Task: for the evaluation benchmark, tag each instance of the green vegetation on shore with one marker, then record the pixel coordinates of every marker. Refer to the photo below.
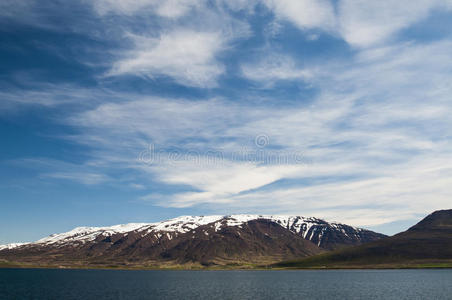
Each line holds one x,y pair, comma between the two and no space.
307,264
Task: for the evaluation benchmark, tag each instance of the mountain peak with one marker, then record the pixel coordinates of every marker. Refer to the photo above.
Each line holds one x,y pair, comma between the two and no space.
440,219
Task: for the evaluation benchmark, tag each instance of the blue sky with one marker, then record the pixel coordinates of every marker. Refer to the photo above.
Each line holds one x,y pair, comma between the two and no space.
115,111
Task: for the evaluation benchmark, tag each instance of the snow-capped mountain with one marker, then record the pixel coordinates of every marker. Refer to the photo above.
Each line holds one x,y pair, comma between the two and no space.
312,229
196,239
11,246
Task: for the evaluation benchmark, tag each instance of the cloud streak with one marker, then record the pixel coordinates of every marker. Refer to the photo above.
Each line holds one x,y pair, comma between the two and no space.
275,68
185,55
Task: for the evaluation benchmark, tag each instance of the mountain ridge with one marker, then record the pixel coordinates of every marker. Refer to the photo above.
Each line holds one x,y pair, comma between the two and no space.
207,240
183,224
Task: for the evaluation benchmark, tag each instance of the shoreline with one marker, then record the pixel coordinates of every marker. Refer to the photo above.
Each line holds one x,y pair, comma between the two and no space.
221,268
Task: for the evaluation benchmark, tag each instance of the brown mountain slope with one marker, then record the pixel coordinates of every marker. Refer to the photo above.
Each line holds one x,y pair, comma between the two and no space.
427,243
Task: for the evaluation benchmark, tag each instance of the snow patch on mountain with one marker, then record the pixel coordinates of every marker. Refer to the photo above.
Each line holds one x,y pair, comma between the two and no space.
296,224
84,234
11,246
185,223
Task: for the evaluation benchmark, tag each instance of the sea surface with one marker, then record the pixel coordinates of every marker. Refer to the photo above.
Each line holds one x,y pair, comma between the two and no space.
322,284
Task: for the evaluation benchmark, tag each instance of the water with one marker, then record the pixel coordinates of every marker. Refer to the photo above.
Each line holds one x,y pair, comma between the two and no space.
322,284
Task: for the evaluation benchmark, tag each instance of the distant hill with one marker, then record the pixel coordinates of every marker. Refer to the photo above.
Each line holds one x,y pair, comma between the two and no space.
428,243
202,241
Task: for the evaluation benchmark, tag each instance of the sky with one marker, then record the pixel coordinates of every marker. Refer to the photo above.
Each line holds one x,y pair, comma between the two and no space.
117,111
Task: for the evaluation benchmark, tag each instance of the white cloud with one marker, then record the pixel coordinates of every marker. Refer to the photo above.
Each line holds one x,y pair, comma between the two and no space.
50,95
187,56
305,14
166,8
216,180
15,8
164,122
367,23
360,23
273,68
57,169
84,178
240,5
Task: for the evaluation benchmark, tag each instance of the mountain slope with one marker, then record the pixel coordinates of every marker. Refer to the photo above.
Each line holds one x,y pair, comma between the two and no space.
428,242
203,240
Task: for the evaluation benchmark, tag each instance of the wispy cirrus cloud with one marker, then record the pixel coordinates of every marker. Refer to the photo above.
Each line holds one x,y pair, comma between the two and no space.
188,51
83,178
216,182
187,56
84,173
360,23
169,9
50,95
364,23
306,14
275,67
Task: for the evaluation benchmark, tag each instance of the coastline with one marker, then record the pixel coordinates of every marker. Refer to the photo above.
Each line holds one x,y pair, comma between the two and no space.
17,265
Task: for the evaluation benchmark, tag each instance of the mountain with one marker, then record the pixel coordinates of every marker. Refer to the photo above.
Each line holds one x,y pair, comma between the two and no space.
203,240
428,243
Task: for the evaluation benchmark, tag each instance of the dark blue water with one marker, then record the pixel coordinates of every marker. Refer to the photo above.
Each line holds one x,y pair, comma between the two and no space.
331,284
